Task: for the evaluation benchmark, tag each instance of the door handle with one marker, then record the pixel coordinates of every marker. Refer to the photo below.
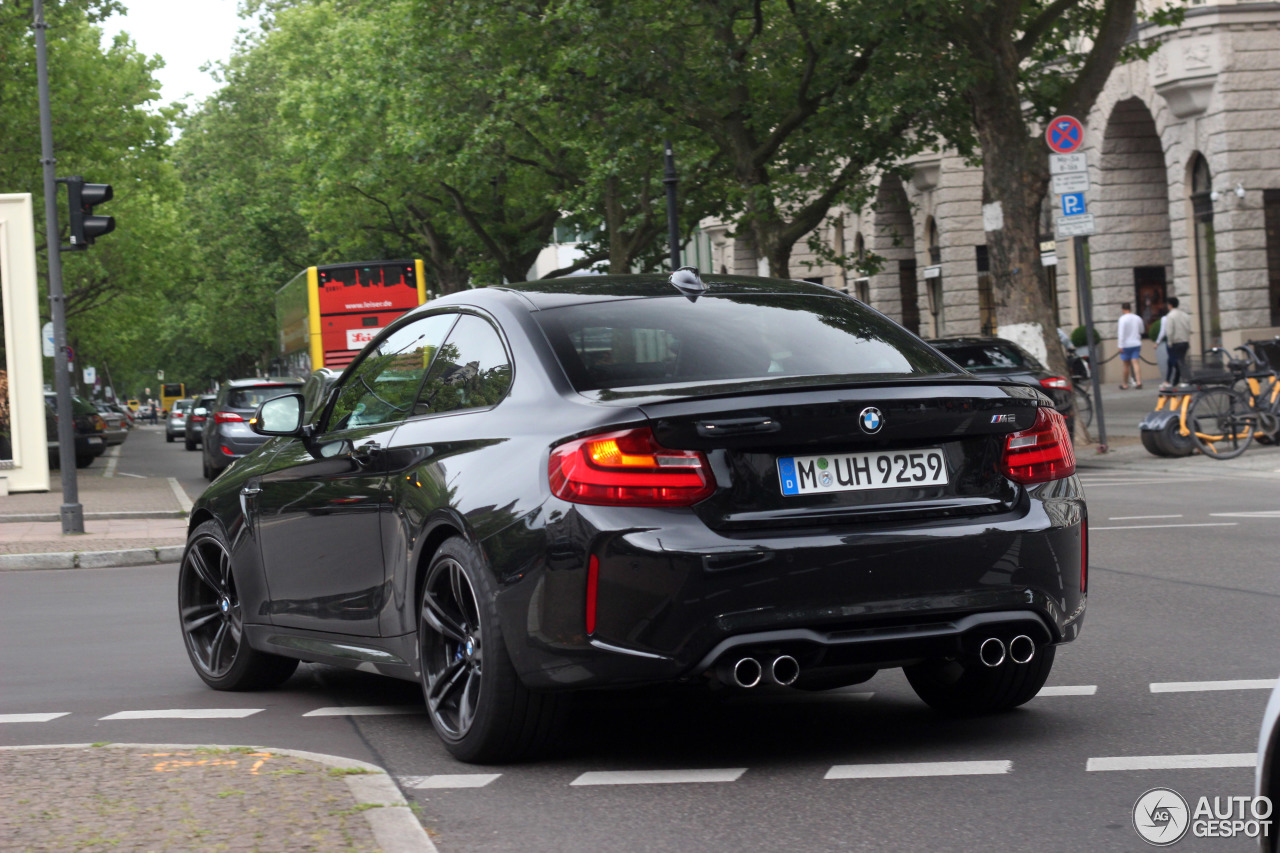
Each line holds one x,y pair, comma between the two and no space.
366,452
250,491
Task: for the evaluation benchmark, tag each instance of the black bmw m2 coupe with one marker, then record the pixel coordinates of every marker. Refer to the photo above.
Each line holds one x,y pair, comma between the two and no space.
517,492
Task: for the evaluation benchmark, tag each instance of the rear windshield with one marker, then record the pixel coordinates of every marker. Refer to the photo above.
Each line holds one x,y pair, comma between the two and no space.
254,396
661,341
989,357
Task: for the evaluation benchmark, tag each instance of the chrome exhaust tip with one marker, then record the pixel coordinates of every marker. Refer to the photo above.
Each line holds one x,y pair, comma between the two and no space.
747,672
1022,649
991,652
784,670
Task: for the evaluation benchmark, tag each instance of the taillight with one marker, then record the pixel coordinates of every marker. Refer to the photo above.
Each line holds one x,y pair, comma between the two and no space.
98,423
628,468
1056,382
1041,453
228,418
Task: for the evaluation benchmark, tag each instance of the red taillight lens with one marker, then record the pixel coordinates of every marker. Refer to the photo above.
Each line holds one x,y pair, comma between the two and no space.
1041,453
228,418
98,423
593,580
197,419
628,468
1056,382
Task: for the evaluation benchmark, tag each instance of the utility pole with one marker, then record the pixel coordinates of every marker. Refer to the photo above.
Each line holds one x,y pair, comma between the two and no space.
71,511
670,178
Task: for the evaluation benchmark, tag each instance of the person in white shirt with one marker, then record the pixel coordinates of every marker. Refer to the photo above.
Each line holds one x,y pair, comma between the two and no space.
1129,339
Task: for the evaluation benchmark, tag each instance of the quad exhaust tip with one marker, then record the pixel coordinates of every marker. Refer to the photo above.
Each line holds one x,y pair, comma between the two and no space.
747,672
784,670
1022,649
991,652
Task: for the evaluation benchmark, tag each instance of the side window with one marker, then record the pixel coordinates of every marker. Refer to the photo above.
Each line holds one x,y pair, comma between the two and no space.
385,383
472,370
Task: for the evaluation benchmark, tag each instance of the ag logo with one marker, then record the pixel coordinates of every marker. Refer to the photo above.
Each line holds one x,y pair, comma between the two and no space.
1161,816
870,420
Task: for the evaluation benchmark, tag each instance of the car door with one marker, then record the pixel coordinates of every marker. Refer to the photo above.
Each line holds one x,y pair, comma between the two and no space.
317,505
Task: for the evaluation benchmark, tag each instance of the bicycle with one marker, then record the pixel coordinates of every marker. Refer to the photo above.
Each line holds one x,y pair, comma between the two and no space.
1224,419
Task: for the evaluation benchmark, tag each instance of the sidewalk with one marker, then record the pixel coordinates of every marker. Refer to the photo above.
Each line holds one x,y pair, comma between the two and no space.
128,521
157,797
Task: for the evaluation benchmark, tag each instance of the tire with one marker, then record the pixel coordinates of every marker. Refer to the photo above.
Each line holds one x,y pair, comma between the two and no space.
1221,423
966,689
168,437
212,619
210,473
84,460
1150,440
1172,441
476,701
188,444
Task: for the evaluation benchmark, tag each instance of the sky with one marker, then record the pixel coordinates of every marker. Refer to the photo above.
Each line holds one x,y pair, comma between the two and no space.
186,34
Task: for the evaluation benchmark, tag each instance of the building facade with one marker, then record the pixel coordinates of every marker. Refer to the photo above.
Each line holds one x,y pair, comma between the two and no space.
1184,165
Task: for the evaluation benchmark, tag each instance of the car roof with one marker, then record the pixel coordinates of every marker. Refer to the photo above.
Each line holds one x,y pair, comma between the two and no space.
555,292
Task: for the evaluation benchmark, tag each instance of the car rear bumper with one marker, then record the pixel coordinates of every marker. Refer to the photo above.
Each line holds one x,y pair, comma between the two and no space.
674,599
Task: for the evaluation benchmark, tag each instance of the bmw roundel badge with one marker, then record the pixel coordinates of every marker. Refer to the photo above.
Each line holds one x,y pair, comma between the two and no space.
870,420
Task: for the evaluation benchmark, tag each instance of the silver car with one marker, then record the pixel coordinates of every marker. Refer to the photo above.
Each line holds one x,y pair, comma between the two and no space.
117,424
176,424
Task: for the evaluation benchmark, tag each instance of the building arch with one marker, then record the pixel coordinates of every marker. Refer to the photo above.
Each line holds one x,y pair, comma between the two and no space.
894,289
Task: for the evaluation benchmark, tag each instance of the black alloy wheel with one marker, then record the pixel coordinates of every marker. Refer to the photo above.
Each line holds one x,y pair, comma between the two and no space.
213,619
477,704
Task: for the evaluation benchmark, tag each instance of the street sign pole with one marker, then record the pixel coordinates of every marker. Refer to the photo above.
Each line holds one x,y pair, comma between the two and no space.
1095,365
72,512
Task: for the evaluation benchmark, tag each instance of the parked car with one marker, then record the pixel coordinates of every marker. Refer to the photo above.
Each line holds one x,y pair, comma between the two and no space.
989,356
117,424
1268,768
201,411
90,431
609,481
176,424
227,436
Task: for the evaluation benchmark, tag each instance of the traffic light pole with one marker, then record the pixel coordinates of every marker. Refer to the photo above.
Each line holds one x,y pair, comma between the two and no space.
72,512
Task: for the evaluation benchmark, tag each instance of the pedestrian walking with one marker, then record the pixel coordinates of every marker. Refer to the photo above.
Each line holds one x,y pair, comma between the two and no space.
1129,339
1175,331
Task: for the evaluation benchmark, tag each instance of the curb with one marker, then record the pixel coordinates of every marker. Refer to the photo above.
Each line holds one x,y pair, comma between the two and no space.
92,559
394,827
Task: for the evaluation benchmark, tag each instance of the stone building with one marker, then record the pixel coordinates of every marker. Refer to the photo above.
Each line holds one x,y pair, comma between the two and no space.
1184,166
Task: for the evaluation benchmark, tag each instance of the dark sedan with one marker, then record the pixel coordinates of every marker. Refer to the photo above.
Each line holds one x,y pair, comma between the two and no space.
594,482
89,426
987,356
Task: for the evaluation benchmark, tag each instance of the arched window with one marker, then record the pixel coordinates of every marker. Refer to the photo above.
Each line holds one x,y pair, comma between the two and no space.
1206,254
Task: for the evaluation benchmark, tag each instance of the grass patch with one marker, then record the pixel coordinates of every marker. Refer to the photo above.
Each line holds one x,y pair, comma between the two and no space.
349,771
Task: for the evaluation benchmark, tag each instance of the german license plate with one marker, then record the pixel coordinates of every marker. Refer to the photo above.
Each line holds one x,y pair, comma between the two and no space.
848,472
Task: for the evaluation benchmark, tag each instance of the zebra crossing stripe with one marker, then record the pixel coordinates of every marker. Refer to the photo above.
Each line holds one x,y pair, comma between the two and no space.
31,718
457,780
919,768
657,777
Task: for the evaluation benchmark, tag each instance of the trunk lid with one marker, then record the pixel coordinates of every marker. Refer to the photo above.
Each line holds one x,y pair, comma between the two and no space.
837,471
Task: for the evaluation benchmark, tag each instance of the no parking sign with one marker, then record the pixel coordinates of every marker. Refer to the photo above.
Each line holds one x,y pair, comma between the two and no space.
1065,135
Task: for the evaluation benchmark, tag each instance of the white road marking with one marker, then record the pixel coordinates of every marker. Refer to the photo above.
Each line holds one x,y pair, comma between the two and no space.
185,714
1069,690
1140,517
184,502
113,458
1097,484
1172,762
657,777
920,768
1202,686
1266,513
137,476
366,711
1162,526
461,780
31,718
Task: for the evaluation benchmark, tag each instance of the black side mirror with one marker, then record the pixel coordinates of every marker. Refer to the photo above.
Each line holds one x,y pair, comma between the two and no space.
279,416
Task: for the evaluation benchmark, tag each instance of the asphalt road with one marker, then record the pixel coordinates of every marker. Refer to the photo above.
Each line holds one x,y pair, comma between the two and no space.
1184,588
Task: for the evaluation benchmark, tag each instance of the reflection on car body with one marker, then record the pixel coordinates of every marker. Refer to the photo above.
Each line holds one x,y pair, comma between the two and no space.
523,490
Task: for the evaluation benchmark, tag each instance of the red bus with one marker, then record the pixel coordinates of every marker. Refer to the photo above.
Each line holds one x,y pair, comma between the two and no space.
327,313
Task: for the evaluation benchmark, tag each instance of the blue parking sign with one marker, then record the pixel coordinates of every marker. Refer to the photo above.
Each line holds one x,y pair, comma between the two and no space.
1073,204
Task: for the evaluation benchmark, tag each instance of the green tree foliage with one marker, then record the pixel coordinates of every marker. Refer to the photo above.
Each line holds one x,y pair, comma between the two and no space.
106,128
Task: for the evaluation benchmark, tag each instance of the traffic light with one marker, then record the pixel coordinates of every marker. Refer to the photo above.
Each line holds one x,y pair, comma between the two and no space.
81,199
